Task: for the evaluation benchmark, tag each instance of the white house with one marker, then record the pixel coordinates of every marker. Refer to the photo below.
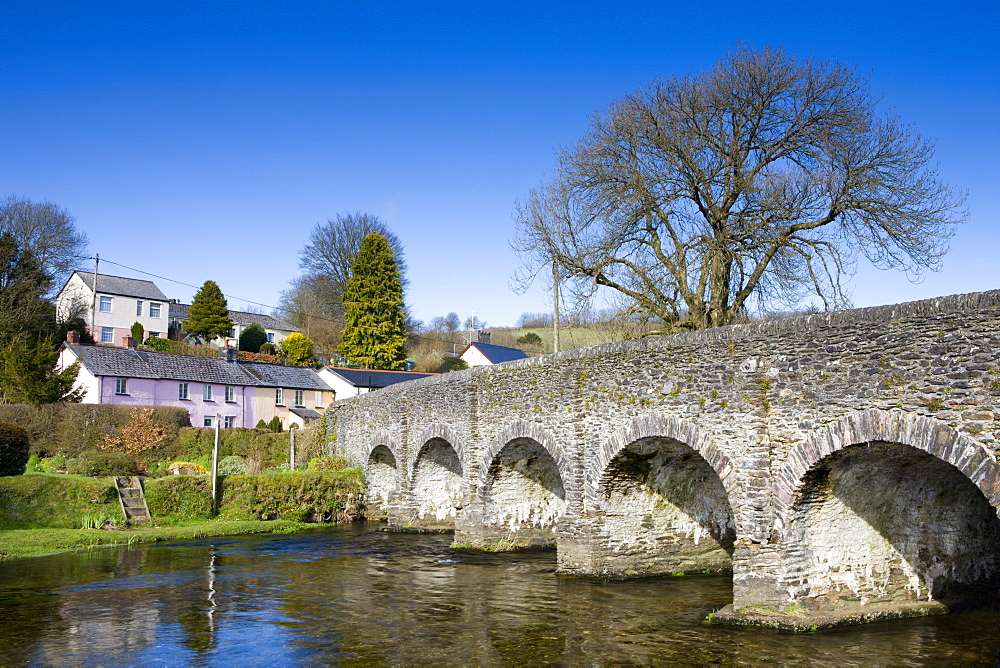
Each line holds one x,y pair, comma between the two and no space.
352,382
483,354
111,309
276,330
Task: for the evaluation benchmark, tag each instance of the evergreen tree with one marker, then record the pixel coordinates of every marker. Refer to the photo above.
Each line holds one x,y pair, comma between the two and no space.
27,375
252,337
375,318
208,316
23,285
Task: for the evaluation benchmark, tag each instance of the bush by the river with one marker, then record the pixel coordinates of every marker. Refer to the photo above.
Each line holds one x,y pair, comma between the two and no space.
103,463
50,501
14,450
69,430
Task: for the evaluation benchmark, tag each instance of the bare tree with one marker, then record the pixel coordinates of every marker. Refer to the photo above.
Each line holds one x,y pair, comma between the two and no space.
759,180
48,231
313,300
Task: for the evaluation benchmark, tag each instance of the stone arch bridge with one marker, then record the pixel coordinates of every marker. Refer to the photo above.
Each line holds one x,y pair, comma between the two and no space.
842,466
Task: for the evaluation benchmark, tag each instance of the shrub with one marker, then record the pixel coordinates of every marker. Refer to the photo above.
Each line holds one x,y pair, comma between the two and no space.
34,464
193,467
452,364
161,345
275,424
57,463
530,339
301,497
96,463
137,331
268,349
252,337
14,449
332,463
232,465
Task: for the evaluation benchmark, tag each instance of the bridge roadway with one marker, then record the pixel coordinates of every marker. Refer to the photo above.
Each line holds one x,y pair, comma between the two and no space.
842,466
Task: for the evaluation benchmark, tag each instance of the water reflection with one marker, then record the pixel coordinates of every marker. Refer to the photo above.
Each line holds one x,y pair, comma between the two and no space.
355,596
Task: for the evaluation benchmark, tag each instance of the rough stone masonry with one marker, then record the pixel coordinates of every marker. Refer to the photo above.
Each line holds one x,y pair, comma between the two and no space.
842,465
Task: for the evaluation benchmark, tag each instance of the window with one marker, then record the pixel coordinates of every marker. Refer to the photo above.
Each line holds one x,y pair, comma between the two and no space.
208,421
120,386
270,337
229,393
206,392
154,333
319,398
105,304
230,422
279,399
182,390
298,398
107,334
138,307
231,333
154,310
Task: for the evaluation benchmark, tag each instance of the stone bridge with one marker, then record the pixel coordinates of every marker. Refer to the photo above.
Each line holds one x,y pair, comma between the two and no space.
842,466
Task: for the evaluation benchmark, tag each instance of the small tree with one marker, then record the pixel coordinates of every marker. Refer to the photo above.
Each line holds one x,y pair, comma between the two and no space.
452,364
141,434
298,349
252,337
14,448
275,424
27,375
375,316
208,316
530,339
138,331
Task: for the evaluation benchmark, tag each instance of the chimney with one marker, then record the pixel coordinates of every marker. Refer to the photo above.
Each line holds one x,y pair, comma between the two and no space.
228,354
128,342
73,336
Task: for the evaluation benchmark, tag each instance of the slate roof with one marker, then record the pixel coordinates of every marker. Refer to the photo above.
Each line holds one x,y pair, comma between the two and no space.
306,413
375,379
239,318
126,287
131,363
497,354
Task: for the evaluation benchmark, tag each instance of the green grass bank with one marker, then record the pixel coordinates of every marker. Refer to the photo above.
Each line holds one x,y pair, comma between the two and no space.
44,513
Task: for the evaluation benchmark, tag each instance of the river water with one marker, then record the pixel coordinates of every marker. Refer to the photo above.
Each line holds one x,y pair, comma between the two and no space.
358,596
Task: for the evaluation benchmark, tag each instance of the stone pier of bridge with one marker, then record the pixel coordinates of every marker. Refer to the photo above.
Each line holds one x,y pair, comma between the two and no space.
841,466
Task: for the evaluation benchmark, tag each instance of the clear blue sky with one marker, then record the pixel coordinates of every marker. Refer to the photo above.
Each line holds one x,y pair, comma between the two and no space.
204,140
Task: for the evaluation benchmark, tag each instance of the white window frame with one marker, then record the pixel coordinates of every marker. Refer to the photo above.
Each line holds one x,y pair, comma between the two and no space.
230,394
138,307
206,392
104,301
279,397
319,398
230,422
270,337
182,391
299,398
107,334
207,422
154,309
121,386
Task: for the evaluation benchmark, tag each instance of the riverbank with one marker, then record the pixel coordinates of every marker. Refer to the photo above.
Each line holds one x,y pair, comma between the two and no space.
37,542
45,513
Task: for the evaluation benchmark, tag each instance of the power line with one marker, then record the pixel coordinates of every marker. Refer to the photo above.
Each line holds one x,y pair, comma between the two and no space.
248,301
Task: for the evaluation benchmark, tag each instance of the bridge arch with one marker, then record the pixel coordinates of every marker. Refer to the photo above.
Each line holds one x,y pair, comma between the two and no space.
382,467
664,494
889,507
652,425
526,484
436,481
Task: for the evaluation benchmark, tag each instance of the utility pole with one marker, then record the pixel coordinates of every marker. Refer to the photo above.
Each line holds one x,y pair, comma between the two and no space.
93,302
215,467
555,307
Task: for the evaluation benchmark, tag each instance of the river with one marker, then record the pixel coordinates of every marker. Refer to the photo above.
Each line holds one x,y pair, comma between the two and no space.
358,596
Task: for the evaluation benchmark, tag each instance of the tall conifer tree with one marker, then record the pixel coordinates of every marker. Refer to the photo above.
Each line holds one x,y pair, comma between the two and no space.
208,316
375,315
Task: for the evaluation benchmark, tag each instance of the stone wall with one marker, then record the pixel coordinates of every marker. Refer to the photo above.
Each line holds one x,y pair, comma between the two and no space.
713,449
